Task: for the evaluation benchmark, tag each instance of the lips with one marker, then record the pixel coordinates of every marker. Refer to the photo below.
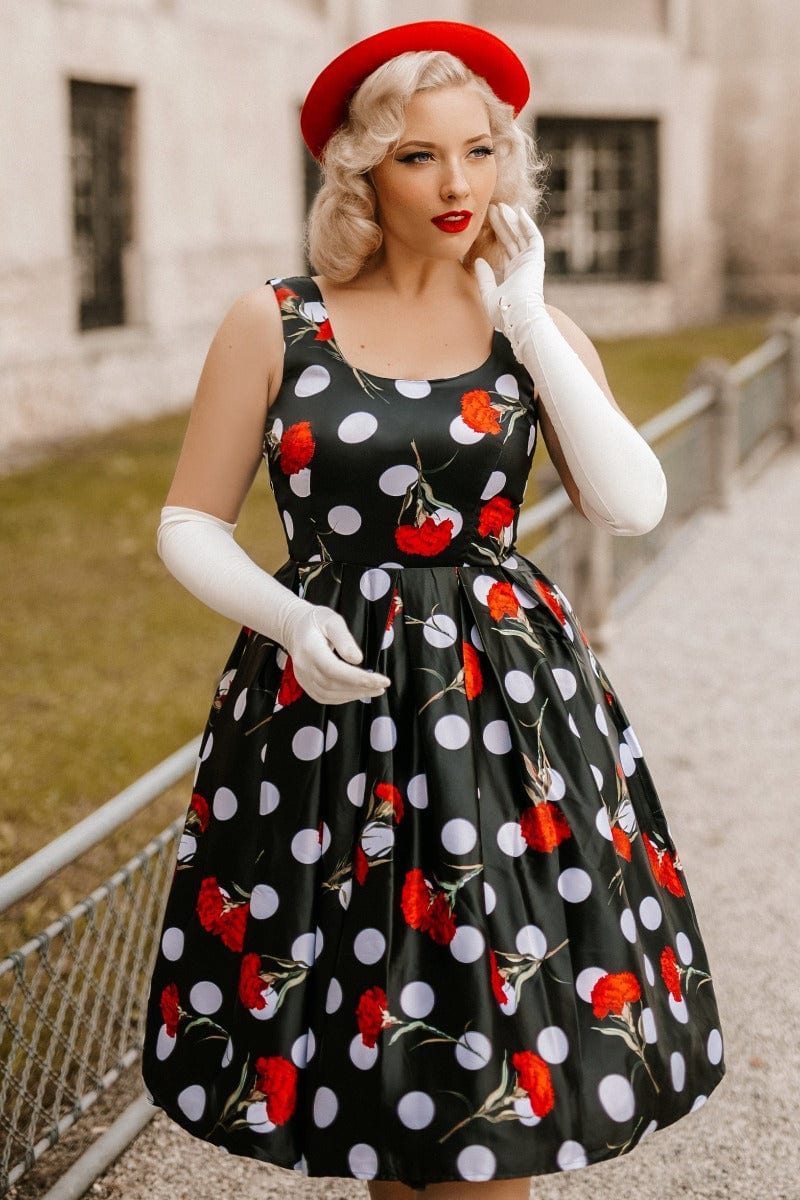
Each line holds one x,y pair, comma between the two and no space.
453,222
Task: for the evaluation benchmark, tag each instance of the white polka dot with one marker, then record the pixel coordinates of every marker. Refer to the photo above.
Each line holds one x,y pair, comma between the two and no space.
240,705
227,1057
326,1106
314,310
531,439
415,1110
494,484
377,839
603,824
269,798
633,742
698,1102
208,746
257,1118
270,997
452,732
414,389
572,725
288,523
363,1161
417,999
357,427
172,943
648,970
313,380
648,1024
369,945
553,1044
303,1049
205,997
598,776
440,631
333,998
165,1043
600,719
567,683
344,519
571,1155
558,788
374,583
524,1110
531,940
519,685
507,386
192,1101
459,835
356,787
650,912
627,924
362,1056
476,1163
462,433
626,759
585,981
468,944
306,847
714,1047
649,1128
490,895
418,791
224,804
684,948
304,948
616,1096
525,600
263,901
473,1050
382,733
626,817
345,892
396,480
679,1009
677,1070
497,737
300,482
574,884
308,743
443,513
510,839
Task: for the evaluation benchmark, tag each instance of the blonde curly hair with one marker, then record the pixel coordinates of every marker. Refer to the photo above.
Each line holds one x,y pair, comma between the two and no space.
342,233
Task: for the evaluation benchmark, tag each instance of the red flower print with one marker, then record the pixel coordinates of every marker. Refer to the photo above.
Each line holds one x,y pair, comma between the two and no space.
289,689
284,295
361,865
229,925
613,991
609,698
210,903
478,414
232,926
473,676
325,333
199,805
388,792
415,898
551,600
533,1074
429,538
498,982
544,826
297,447
439,922
170,1008
495,514
251,985
670,973
277,1082
622,843
663,867
370,1013
502,600
394,608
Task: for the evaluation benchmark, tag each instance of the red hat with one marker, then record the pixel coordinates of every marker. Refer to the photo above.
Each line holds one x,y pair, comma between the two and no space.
325,107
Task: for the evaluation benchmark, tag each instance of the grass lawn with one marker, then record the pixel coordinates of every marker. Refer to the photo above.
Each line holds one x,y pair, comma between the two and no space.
108,664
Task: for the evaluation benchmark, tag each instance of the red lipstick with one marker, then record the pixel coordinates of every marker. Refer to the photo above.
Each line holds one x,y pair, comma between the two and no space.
453,222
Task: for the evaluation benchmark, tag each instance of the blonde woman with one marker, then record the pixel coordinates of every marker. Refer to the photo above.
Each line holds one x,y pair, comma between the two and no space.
428,927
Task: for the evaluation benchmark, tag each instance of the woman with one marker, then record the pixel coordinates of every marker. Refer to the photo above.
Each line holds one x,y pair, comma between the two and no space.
428,927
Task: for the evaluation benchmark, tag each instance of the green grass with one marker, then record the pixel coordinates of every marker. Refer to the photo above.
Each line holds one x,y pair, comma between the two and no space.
108,664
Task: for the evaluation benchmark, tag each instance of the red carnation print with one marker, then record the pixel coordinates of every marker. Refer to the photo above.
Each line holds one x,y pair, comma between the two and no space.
251,985
670,973
533,1074
498,981
473,676
663,867
495,514
477,412
544,826
232,926
502,600
171,1008
218,916
622,843
551,600
370,1014
285,295
440,924
390,795
276,1079
395,607
609,698
613,991
289,689
325,333
415,898
297,447
210,903
429,538
199,806
361,865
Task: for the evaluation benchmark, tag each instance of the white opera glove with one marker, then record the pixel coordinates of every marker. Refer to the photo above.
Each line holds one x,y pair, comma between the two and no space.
200,551
620,480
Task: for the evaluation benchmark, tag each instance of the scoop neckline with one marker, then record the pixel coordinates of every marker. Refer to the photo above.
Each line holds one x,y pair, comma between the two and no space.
403,378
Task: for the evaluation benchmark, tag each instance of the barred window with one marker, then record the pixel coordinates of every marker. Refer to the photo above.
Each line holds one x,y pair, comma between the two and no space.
602,197
101,129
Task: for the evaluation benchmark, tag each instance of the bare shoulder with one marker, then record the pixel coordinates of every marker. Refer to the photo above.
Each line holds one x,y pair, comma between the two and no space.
254,313
249,340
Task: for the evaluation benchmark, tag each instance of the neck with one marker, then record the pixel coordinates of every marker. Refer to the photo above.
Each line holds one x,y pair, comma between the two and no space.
414,276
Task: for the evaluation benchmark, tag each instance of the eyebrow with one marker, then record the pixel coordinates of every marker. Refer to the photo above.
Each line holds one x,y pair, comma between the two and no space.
481,137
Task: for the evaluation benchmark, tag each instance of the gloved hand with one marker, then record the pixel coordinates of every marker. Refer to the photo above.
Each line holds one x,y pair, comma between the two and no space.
621,484
200,551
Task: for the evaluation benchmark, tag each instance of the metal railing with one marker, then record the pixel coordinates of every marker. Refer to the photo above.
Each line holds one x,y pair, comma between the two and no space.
72,999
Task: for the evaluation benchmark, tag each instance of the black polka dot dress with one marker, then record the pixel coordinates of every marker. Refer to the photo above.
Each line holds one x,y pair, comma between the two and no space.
442,934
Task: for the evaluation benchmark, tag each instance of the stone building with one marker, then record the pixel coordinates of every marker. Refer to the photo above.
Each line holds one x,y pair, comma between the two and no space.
153,170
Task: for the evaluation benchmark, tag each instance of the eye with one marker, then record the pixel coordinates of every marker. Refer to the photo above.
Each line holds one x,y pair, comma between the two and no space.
416,156
482,151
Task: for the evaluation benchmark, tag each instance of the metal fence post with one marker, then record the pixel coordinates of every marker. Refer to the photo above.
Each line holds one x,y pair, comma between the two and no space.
724,416
789,327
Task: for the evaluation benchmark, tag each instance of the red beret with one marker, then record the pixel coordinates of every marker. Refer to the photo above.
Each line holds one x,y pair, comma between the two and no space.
325,107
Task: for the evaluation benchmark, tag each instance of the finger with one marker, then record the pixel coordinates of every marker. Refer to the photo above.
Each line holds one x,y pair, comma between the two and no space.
486,279
513,220
502,232
530,228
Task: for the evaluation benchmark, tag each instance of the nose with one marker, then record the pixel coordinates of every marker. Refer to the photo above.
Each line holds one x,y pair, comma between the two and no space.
454,183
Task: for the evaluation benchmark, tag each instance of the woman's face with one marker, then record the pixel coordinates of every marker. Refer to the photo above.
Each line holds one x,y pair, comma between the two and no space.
443,164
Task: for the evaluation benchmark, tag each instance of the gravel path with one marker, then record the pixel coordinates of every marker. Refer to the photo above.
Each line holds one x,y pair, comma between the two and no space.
708,668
